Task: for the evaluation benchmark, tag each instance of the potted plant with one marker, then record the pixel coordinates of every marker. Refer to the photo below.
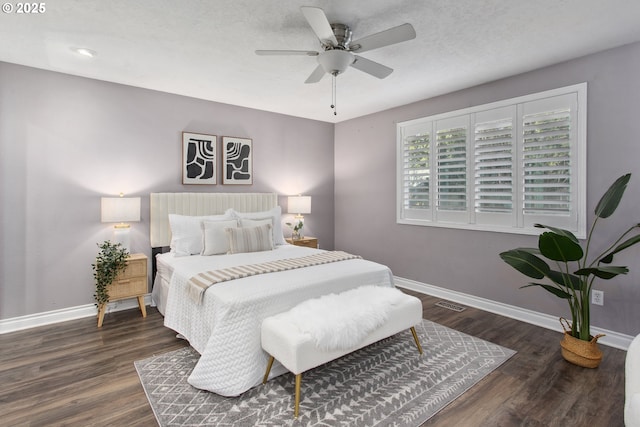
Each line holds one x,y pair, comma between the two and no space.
111,260
574,272
297,228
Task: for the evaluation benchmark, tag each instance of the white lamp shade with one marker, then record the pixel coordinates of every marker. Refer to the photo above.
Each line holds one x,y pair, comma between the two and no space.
120,209
299,204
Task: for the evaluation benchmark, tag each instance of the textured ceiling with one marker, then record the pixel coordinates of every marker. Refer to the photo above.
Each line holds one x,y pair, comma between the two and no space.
205,49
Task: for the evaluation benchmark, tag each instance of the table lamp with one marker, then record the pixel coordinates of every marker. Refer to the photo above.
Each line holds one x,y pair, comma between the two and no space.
299,205
121,210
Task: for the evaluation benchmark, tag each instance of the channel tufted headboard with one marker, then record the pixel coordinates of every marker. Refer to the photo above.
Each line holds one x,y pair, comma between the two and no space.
163,204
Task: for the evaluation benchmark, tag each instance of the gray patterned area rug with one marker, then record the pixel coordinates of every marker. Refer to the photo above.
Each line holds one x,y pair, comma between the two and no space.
385,384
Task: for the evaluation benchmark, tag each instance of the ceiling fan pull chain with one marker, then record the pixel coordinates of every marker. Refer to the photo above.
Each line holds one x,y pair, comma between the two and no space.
333,94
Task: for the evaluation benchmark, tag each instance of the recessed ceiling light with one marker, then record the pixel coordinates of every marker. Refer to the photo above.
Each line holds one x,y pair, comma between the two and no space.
84,51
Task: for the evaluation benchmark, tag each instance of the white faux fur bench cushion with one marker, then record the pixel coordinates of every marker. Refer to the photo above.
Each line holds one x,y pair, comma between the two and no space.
342,321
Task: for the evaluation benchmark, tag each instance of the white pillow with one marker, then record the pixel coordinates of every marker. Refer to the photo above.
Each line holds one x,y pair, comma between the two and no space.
250,239
244,222
186,232
214,239
275,213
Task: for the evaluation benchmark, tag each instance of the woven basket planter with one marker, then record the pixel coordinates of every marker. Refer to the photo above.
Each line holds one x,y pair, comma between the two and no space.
579,352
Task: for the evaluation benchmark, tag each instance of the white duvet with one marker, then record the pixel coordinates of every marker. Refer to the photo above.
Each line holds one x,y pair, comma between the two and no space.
225,328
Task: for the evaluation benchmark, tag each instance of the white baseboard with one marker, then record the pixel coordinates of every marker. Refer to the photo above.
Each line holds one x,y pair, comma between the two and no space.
612,338
65,314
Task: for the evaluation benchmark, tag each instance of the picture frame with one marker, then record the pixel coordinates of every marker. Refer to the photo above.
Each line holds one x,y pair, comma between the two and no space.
237,160
199,158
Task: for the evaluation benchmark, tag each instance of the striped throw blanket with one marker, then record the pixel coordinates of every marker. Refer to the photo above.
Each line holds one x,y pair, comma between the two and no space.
199,283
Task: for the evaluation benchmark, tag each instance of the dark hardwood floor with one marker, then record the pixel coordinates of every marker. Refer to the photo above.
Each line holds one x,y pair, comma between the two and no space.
75,374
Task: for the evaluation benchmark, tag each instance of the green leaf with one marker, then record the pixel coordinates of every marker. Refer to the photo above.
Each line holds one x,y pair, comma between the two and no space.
558,247
526,263
557,292
610,200
559,231
605,273
622,246
530,250
111,260
566,280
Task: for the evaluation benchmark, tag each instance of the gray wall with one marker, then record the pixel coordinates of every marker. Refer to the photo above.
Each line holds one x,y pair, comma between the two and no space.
66,141
467,261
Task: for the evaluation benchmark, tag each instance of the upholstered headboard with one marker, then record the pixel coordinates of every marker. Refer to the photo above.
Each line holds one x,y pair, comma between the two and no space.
163,204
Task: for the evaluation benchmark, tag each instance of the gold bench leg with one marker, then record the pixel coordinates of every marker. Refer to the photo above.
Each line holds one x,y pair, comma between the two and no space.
266,374
415,338
296,408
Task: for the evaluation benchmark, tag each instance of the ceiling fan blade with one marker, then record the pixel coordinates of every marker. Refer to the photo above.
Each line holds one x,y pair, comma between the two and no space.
316,76
319,24
394,35
371,67
286,52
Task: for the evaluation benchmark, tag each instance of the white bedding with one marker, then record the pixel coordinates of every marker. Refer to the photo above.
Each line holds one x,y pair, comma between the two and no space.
225,328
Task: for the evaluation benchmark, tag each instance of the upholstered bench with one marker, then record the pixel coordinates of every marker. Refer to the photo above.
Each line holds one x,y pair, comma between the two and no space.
320,330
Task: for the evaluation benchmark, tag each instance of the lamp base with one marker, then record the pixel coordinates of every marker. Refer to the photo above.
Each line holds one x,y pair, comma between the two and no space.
122,236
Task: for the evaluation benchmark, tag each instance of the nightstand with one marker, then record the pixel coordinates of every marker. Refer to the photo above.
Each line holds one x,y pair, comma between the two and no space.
130,283
308,242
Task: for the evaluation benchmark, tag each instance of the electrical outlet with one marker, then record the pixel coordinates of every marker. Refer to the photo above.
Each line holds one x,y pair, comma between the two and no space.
597,297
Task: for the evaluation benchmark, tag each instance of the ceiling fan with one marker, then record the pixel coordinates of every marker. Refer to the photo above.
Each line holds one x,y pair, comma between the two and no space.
338,50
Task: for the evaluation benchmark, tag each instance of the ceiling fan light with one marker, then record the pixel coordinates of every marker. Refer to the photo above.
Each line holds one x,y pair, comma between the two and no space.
335,61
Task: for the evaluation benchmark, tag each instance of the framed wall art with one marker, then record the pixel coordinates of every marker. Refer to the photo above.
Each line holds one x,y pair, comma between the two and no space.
237,164
199,158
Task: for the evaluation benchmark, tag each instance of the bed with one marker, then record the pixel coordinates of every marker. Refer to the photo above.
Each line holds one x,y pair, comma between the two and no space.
224,327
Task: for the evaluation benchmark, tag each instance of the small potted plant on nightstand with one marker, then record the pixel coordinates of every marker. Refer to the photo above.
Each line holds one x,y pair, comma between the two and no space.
297,228
111,260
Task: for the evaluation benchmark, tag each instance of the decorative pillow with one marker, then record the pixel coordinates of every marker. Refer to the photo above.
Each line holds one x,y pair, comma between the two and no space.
275,213
250,239
214,238
186,232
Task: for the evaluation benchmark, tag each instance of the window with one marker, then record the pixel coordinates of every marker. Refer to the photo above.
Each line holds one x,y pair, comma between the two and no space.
503,166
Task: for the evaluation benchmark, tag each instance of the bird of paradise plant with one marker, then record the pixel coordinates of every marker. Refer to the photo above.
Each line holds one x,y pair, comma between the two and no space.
574,274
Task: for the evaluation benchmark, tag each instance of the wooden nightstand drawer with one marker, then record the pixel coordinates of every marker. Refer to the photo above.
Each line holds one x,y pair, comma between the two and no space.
136,267
127,288
309,242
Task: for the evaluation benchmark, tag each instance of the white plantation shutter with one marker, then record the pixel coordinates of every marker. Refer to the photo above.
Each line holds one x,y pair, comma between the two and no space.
547,162
415,168
494,149
504,166
416,172
451,162
550,161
